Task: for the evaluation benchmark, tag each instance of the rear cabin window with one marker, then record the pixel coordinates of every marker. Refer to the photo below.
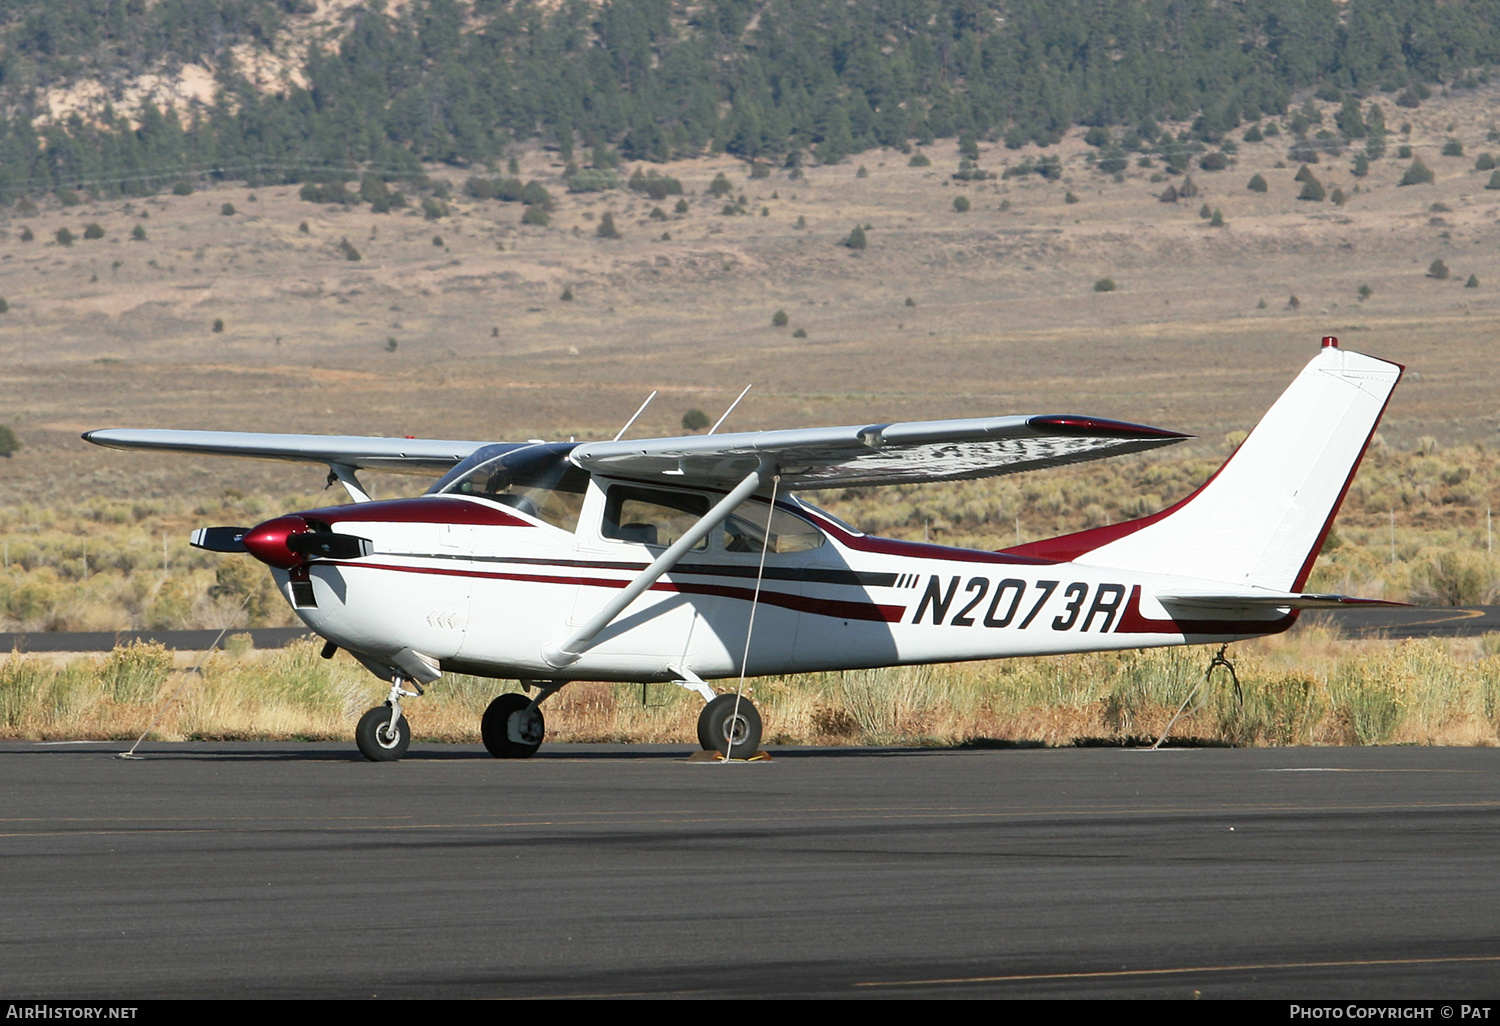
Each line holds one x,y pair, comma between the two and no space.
651,517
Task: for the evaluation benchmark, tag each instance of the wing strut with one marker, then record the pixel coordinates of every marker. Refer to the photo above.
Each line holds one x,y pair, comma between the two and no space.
568,652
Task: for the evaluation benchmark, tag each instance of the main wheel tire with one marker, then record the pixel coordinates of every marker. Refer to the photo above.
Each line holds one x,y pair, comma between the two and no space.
511,728
733,734
375,739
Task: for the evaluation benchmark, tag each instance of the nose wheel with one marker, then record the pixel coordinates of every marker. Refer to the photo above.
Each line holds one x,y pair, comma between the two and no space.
730,725
383,734
379,739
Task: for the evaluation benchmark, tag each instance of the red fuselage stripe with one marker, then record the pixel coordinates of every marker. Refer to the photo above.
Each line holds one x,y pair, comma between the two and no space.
823,607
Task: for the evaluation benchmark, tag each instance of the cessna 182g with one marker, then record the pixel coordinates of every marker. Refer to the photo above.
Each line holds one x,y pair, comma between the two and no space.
690,559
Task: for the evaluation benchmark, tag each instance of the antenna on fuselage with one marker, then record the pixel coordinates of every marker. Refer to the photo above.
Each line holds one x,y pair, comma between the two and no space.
731,408
633,419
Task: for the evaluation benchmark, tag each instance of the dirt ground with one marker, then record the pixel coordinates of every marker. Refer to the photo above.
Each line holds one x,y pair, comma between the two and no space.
455,328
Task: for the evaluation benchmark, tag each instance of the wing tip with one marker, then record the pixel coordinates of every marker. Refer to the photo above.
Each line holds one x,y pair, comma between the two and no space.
1074,424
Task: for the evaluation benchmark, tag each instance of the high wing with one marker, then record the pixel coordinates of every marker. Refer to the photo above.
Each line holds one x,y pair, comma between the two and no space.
875,454
402,455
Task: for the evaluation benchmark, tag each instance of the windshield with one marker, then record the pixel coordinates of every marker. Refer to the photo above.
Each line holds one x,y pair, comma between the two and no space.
535,479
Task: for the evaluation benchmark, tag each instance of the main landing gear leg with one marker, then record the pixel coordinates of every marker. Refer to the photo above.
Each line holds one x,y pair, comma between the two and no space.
383,733
513,726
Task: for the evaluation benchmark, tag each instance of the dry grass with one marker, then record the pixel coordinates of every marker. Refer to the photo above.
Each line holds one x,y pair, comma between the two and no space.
1307,687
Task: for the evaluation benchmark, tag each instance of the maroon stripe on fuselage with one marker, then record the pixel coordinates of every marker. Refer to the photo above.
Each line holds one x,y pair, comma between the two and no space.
426,510
823,607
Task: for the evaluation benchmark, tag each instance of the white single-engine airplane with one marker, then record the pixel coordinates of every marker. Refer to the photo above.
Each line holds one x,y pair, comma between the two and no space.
689,559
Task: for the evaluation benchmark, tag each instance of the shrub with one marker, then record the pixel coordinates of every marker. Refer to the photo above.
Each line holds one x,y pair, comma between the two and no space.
1187,190
1292,302
68,198
607,229
1215,161
1312,190
567,294
325,192
658,214
961,204
779,319
1204,212
681,207
534,194
1337,197
4,306
862,173
437,240
855,239
9,443
1169,194
433,208
227,210
1253,134
1303,174
304,229
185,189
1437,269
93,230
347,248
26,235
1472,283
1484,162
1256,184
592,179
759,170
1361,166
1105,285
800,333
695,420
1365,292
536,215
1453,148
720,186
138,233
218,325
1069,198
919,160
1217,220
1494,182
391,345
910,301
64,237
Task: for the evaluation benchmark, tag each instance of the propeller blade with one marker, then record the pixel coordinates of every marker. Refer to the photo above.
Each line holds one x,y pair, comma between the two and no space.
220,539
328,545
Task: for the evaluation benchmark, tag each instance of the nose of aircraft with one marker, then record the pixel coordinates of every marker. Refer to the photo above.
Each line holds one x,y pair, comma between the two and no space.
267,542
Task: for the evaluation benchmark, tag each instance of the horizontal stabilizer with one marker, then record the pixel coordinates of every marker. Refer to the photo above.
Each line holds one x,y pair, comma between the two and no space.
1257,600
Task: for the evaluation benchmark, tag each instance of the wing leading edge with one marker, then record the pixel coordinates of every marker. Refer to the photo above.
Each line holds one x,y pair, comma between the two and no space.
875,454
414,455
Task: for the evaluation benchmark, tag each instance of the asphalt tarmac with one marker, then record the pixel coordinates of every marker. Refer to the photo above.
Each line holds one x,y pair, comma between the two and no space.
300,870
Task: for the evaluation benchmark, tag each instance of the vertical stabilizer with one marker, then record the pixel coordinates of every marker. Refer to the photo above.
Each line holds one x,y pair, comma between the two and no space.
1260,520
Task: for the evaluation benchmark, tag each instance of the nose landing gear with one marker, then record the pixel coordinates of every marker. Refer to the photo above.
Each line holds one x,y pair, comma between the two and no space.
383,734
